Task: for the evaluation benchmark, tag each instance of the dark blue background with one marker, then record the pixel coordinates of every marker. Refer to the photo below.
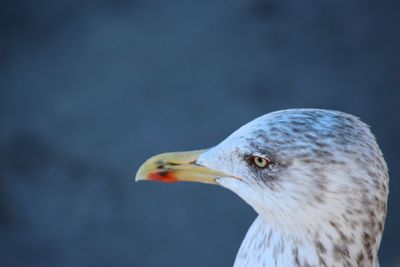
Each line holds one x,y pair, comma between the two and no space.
90,89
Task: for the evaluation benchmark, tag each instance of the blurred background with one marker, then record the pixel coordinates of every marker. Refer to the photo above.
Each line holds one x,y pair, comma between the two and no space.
90,89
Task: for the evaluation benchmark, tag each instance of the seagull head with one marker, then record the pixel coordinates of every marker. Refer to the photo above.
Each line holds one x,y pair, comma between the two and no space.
302,170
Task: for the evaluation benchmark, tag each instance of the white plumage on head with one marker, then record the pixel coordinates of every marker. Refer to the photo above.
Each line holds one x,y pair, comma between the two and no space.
320,187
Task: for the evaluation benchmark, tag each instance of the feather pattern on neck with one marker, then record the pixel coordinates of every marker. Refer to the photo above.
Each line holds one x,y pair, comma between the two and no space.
266,246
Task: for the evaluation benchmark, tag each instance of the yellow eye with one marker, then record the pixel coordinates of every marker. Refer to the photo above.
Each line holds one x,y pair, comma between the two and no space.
260,162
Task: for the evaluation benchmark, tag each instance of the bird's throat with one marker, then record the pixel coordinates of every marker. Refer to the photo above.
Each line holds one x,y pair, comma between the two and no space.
266,246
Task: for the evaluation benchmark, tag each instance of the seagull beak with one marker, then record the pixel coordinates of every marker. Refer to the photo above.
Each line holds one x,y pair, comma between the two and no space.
176,167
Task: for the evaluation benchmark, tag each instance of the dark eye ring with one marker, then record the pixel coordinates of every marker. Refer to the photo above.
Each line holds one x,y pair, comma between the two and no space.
260,162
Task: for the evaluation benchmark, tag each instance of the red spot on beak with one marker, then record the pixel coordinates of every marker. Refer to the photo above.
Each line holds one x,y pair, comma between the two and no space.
163,176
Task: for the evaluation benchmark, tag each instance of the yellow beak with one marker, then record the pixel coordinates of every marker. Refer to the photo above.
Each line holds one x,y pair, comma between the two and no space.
176,167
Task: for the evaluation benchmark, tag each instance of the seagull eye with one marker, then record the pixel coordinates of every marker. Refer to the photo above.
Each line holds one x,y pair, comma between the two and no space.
260,162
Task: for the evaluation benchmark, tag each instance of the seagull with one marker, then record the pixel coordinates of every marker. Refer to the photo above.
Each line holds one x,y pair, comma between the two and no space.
316,178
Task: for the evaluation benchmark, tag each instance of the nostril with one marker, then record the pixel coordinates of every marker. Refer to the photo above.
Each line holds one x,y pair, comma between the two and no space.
161,166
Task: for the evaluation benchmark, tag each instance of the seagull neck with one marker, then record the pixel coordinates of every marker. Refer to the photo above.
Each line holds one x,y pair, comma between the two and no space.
265,245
